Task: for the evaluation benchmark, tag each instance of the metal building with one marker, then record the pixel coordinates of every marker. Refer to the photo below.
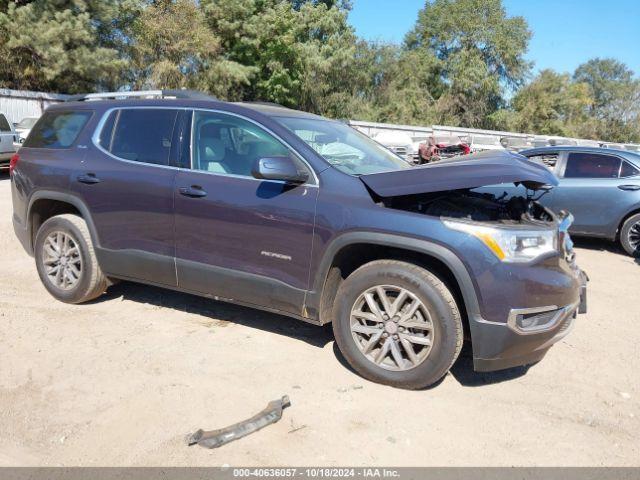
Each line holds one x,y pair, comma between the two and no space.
18,104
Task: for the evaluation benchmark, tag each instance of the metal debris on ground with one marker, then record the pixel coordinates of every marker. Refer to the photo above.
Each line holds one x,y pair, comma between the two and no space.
216,438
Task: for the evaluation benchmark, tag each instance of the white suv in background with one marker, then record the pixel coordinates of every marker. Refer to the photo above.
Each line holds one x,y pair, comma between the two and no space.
7,137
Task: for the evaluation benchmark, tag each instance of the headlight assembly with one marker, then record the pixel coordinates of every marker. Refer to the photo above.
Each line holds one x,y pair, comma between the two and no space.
510,244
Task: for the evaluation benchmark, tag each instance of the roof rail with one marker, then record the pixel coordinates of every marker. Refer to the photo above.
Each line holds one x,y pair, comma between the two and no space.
191,94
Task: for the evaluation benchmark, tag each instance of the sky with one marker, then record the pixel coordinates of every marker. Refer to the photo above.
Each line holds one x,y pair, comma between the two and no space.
566,33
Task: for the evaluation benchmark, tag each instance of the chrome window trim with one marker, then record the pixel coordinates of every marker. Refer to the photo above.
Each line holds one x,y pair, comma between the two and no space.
316,183
95,138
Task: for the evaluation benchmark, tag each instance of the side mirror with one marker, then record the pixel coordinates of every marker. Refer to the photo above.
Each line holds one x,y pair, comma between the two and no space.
279,168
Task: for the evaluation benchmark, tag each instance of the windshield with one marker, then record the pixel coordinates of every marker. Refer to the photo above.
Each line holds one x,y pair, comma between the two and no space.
344,147
27,122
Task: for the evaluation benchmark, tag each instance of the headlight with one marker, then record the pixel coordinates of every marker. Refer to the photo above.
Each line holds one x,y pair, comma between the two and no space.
510,244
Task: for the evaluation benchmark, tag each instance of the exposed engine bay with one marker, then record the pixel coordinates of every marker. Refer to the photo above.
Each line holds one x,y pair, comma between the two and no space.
480,207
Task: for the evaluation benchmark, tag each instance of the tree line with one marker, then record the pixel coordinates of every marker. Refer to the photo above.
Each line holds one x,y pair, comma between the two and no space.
463,63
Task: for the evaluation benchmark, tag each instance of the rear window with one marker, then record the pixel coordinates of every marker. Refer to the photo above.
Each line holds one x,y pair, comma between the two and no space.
140,135
57,129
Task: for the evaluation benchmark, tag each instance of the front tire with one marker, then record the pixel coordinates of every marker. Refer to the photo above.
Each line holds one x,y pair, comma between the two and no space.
397,324
630,235
66,261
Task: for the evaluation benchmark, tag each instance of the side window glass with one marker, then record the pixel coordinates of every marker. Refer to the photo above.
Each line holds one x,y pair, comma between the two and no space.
628,170
592,165
549,160
57,129
4,124
227,144
140,134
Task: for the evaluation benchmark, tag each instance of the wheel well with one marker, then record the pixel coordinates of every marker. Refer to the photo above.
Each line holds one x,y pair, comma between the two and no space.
629,215
351,257
43,209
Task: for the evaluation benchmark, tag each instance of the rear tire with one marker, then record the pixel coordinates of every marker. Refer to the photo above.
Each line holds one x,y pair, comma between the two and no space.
66,260
410,350
630,235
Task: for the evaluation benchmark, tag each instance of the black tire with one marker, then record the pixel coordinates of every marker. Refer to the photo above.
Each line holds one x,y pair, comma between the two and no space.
630,228
436,298
91,281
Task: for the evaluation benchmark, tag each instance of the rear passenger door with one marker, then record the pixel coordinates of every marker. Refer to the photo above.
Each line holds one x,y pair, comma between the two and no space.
238,237
590,189
127,183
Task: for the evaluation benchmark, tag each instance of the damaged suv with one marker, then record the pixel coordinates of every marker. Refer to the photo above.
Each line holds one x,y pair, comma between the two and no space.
289,212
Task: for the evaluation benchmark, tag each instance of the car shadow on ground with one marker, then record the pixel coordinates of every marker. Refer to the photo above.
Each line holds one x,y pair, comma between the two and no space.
219,313
601,245
598,244
462,370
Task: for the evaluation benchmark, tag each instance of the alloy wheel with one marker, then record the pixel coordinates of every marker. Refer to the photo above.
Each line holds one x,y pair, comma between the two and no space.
634,236
62,260
392,327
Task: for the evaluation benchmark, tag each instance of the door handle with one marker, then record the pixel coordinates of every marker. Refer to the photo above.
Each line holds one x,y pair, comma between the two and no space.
194,191
89,178
631,188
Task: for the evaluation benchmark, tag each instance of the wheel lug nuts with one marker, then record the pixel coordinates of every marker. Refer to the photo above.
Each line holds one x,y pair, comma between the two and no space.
385,335
395,336
380,325
401,329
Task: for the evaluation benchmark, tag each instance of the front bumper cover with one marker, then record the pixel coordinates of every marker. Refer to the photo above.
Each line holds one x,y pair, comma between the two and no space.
504,345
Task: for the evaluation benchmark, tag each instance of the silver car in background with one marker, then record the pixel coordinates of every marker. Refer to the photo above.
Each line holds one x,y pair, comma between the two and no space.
600,187
7,138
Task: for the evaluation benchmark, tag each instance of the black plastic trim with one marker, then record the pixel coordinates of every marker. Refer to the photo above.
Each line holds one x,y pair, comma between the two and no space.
446,256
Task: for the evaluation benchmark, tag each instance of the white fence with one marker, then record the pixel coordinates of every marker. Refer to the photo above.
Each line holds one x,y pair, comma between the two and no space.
18,104
466,134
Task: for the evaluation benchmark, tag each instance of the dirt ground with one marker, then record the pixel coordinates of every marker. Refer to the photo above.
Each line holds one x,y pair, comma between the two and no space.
121,381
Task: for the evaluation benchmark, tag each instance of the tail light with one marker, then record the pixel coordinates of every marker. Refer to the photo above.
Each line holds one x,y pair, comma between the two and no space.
13,162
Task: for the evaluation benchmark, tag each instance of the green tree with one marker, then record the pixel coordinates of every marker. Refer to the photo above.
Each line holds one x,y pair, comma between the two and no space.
300,57
163,56
553,104
61,45
616,94
482,54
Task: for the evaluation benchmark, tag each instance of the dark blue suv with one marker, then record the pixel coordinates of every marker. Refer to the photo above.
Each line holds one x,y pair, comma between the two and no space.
293,213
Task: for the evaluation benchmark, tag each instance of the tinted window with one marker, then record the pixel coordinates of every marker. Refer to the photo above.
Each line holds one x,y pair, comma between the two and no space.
592,165
228,144
57,129
628,170
141,135
4,124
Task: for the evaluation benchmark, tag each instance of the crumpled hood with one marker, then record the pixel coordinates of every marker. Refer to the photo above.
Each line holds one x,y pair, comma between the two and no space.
469,171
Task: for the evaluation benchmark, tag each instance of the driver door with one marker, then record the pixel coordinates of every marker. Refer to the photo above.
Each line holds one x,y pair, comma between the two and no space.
238,237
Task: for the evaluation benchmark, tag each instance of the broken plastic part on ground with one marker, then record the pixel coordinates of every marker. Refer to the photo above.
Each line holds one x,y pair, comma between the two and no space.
216,438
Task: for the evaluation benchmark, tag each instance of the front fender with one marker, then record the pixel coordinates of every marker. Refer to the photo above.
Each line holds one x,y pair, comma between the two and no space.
437,251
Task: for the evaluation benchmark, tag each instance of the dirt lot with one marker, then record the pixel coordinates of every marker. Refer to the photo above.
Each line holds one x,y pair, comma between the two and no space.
120,381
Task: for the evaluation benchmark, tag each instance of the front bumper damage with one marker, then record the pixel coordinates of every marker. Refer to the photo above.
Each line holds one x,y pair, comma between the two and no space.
501,345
